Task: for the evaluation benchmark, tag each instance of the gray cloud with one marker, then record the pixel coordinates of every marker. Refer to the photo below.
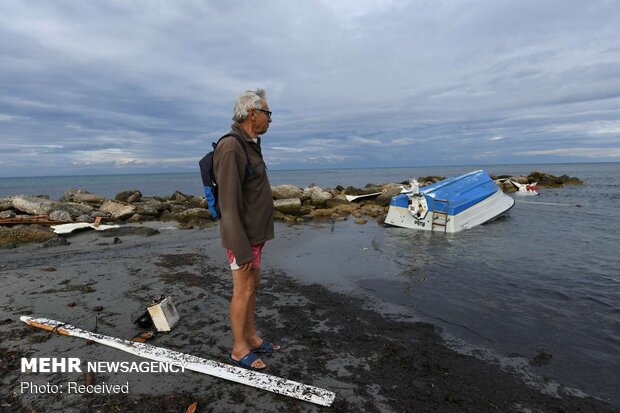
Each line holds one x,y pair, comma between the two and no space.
138,86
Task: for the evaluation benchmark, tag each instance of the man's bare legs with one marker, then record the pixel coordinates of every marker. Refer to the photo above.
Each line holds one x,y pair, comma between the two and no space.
250,327
250,331
242,312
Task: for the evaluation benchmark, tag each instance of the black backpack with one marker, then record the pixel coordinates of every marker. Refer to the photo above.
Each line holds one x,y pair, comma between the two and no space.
208,176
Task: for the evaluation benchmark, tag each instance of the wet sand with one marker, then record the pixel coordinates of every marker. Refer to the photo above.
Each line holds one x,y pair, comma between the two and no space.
373,361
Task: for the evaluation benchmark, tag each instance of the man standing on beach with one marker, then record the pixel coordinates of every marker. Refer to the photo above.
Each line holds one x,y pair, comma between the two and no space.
246,206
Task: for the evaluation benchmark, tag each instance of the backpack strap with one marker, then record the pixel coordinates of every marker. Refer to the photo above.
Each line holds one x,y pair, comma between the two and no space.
250,168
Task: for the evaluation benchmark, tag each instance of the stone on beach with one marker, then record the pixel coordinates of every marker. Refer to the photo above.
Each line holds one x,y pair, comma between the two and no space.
97,214
193,215
139,218
387,192
290,206
21,234
34,205
179,197
60,216
84,208
118,210
336,200
317,196
150,207
541,179
6,204
351,190
429,180
286,191
82,196
373,210
545,179
7,214
54,242
129,196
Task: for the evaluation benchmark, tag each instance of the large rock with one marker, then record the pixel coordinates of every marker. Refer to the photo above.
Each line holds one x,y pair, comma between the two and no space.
520,179
388,191
179,197
82,196
140,218
6,204
323,213
151,207
289,206
118,210
54,242
83,208
368,189
60,216
346,209
335,201
7,214
71,192
176,208
34,205
21,234
545,179
192,215
317,196
129,196
91,199
429,180
196,201
373,210
286,192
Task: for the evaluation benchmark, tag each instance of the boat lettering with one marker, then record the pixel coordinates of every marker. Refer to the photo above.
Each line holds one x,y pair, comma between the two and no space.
419,223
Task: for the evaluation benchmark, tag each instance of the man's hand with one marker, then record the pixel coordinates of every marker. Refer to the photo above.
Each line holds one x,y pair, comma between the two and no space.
245,267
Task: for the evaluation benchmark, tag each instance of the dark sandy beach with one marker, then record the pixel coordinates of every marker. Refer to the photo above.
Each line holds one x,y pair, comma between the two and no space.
373,361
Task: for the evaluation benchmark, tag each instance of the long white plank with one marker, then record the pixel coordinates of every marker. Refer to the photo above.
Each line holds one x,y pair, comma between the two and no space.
213,368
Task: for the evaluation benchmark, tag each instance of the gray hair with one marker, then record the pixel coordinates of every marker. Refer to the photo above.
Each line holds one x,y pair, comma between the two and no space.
250,99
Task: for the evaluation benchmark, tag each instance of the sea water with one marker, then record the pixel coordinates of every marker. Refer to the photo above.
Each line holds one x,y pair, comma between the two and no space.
544,279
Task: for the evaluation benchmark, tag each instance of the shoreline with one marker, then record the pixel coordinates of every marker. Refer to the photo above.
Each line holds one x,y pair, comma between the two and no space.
333,339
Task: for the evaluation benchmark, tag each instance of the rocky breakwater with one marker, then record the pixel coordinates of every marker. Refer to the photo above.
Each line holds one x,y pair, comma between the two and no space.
541,179
293,204
26,218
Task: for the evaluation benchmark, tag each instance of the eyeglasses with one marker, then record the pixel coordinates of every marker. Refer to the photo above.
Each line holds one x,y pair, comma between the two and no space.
267,112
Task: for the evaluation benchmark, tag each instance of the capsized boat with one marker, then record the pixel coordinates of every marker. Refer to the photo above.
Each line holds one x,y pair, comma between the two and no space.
451,205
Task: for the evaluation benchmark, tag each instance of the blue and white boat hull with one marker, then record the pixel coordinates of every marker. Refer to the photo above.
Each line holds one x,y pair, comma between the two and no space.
451,205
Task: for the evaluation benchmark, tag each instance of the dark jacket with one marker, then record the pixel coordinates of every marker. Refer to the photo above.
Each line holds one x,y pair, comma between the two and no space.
245,200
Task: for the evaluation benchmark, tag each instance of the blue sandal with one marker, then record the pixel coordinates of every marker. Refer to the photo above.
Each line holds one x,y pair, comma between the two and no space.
246,362
265,347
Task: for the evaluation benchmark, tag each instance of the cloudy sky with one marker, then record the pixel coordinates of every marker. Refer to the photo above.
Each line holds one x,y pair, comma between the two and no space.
145,86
